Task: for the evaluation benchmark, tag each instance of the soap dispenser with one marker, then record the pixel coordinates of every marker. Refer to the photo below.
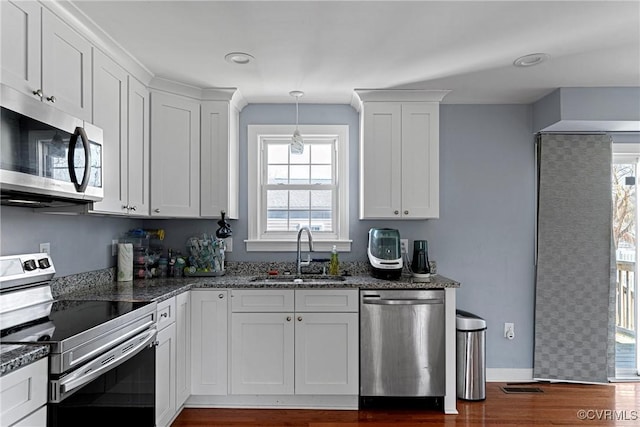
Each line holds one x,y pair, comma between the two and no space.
334,264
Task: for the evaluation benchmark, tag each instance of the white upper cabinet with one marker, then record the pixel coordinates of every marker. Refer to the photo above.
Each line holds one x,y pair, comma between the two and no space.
138,148
399,154
21,45
45,58
219,159
66,67
121,109
110,114
175,156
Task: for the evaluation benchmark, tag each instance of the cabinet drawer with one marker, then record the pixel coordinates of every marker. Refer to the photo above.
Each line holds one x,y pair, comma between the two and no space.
23,391
166,313
327,300
261,300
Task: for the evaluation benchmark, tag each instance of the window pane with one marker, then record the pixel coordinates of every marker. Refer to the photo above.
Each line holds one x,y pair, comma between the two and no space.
277,220
278,153
301,158
321,199
321,174
299,174
299,199
277,199
321,153
277,174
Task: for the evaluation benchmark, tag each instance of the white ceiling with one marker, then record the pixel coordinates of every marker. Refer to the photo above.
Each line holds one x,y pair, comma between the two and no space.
329,48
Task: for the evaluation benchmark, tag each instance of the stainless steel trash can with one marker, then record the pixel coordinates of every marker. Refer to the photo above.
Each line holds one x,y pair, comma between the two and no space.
470,355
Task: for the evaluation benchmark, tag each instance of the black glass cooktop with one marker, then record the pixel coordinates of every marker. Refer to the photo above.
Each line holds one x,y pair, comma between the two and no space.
68,318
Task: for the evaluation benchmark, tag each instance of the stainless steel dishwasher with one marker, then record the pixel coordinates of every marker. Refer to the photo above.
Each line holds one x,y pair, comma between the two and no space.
402,343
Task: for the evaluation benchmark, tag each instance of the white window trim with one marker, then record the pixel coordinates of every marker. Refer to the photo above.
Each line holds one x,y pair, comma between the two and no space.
255,243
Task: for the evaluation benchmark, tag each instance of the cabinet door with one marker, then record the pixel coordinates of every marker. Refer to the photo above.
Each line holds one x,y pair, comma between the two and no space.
138,154
209,342
326,353
66,67
21,45
166,375
183,348
110,114
175,156
262,353
380,161
420,157
23,391
215,162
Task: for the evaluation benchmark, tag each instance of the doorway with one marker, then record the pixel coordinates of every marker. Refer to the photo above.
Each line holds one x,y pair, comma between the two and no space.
626,217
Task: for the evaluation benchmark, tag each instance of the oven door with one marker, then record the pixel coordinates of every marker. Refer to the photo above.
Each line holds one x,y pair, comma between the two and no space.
111,389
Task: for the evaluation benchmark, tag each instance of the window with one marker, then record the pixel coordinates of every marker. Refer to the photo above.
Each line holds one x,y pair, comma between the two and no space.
287,191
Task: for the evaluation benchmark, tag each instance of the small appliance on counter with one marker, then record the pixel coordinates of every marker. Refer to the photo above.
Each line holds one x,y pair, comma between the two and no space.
384,253
420,268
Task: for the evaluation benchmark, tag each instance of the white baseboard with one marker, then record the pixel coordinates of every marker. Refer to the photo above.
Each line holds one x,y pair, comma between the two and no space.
499,375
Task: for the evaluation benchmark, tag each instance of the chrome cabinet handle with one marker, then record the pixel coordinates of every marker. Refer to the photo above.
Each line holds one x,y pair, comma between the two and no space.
156,210
164,315
51,99
299,318
125,207
288,318
133,208
38,93
406,212
396,212
221,296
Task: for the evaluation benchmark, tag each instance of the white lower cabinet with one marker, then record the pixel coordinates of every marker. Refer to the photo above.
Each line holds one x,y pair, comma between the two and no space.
209,342
172,357
23,396
299,350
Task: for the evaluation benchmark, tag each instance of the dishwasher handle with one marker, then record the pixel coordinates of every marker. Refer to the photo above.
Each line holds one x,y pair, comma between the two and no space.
402,301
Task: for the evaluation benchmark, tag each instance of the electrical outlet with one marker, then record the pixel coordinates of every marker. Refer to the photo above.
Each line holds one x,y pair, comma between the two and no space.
46,248
114,247
509,331
404,246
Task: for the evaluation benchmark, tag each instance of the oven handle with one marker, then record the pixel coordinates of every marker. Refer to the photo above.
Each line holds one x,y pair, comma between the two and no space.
102,348
85,374
401,301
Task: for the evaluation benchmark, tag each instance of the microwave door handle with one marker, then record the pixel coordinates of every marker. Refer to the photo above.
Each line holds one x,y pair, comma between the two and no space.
79,132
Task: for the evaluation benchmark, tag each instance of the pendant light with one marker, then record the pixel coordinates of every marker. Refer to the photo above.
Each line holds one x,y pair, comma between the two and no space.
297,144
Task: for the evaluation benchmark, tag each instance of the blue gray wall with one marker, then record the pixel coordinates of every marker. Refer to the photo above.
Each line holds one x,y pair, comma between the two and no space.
79,243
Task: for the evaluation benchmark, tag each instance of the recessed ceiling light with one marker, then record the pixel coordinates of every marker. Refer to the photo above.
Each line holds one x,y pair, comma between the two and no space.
531,60
238,58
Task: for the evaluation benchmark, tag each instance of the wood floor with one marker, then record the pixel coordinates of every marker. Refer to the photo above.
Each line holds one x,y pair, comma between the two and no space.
559,404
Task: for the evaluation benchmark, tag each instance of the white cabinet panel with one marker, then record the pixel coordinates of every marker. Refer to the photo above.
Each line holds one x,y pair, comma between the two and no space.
209,342
183,348
175,156
219,159
138,148
325,300
66,67
326,353
21,45
263,300
110,114
262,349
166,375
23,391
399,163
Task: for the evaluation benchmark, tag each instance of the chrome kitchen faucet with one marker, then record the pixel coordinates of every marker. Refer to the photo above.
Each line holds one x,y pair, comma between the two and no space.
299,262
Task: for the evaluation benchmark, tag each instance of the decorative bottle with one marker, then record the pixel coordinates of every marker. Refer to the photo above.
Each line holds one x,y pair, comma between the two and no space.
334,264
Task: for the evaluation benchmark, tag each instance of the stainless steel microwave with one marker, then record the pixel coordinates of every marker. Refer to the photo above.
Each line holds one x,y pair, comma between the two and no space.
48,157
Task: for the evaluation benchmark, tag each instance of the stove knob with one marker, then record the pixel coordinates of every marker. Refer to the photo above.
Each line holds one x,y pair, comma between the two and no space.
44,263
30,265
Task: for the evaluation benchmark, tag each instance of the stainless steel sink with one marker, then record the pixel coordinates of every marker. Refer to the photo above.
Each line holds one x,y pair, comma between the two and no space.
305,278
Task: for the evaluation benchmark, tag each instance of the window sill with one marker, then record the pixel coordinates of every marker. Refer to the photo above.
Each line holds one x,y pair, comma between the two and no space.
291,246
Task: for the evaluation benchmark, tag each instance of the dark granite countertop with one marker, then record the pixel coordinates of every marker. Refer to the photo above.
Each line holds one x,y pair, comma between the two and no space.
13,357
160,289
